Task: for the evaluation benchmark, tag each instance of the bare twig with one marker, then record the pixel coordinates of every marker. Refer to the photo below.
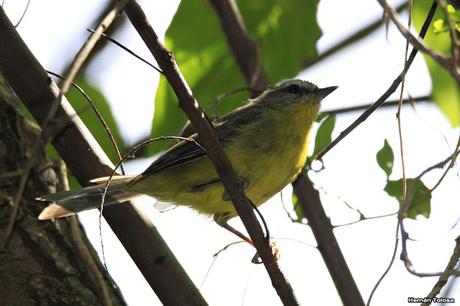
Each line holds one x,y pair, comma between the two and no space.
390,264
243,48
120,45
23,14
80,245
360,34
453,159
446,274
89,45
365,218
98,115
389,103
387,93
418,44
327,243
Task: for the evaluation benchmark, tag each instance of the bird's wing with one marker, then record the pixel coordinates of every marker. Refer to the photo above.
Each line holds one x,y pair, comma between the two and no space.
188,150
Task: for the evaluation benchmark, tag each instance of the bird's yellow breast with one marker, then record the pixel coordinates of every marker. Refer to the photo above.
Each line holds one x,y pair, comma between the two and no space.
266,154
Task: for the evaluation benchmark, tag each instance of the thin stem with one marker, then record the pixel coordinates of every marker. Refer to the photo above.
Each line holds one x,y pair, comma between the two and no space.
386,94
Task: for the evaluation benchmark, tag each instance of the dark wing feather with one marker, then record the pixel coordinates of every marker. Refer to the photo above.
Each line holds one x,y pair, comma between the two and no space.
186,151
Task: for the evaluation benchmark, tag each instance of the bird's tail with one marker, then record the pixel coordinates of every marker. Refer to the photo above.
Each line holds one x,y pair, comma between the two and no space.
70,202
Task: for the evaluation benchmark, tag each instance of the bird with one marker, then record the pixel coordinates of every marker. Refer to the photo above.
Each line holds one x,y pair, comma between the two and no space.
266,141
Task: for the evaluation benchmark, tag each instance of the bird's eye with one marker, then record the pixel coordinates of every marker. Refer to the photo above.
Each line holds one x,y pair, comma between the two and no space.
293,89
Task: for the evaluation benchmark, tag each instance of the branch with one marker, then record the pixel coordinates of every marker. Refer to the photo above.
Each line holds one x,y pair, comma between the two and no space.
352,38
387,93
390,103
327,243
244,49
338,269
419,45
446,274
86,160
206,133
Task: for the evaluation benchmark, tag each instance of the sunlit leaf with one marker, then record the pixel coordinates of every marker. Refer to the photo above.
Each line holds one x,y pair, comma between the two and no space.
418,195
385,158
285,31
446,93
324,135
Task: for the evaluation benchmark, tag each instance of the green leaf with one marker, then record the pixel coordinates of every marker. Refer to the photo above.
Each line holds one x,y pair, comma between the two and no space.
445,93
324,134
297,208
90,119
418,196
385,158
285,31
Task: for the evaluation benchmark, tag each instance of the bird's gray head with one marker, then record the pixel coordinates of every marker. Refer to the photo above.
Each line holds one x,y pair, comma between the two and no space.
292,92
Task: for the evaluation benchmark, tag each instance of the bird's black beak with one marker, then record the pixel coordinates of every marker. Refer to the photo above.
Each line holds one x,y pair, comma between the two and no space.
323,92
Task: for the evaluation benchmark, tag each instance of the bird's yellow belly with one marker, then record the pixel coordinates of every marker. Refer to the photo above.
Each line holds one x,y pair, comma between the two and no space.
278,163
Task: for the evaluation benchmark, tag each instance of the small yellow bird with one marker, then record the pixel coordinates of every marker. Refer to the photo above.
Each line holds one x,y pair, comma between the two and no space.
265,140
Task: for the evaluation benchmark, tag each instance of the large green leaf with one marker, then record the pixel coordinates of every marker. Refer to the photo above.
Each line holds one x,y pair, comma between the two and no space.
285,31
446,93
90,119
385,158
418,196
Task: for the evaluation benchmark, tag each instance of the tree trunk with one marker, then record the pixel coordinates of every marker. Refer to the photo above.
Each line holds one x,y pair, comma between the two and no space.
44,262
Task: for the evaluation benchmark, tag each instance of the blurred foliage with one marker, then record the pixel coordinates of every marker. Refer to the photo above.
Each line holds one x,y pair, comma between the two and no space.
445,92
418,196
285,31
441,25
92,122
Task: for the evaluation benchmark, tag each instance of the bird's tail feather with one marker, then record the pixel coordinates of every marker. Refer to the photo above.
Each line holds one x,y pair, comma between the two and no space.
67,203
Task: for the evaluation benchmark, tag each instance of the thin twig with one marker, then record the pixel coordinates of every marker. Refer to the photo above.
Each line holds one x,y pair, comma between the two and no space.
23,14
418,44
361,219
98,115
80,245
386,94
446,274
389,103
89,45
360,34
244,50
392,260
117,43
453,160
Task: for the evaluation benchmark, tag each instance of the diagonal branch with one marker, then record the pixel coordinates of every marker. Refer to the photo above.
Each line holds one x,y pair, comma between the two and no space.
387,93
357,36
86,160
223,167
303,188
444,61
243,48
445,275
